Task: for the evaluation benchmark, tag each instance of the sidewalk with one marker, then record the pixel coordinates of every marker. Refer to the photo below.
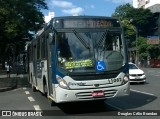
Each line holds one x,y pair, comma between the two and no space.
13,82
7,83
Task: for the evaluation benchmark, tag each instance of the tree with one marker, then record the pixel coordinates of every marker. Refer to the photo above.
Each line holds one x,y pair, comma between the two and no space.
138,24
17,18
142,48
154,51
142,19
122,11
147,50
130,32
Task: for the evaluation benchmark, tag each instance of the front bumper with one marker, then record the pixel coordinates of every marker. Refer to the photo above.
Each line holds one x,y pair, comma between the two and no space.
137,78
64,95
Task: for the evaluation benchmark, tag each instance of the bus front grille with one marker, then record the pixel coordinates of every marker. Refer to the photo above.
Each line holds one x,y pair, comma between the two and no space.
88,95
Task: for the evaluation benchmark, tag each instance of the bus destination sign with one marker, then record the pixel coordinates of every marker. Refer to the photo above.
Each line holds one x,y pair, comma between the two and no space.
89,23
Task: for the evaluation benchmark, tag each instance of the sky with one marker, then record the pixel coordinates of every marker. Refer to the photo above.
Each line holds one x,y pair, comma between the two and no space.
82,7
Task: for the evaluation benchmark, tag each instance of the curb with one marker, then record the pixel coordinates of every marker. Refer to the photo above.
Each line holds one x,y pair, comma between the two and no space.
14,76
8,88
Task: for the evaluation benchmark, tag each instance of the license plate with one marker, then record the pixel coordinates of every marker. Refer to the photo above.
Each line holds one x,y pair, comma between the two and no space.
97,93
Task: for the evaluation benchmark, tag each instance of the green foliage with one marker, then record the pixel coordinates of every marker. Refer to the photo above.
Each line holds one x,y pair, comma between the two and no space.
154,51
142,47
17,17
142,19
141,23
145,49
143,56
129,28
130,32
122,11
20,16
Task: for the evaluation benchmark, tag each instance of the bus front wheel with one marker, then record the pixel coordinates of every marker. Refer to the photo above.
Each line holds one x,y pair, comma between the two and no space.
45,91
33,87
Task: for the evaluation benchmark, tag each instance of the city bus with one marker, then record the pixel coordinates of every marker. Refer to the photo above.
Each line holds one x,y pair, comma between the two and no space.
79,58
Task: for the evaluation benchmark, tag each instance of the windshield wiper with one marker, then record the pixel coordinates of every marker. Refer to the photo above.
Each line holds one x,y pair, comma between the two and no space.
81,39
102,38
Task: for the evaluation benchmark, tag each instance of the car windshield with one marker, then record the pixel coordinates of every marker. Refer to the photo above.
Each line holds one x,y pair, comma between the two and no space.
132,66
79,51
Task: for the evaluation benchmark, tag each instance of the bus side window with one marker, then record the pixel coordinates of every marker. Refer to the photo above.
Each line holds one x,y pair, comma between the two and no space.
51,39
38,48
43,48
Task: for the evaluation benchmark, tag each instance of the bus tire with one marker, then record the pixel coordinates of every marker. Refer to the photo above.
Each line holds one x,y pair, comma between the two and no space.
33,87
45,90
53,103
29,78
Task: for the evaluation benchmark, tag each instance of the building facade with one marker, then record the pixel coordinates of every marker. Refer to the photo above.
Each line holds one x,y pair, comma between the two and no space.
147,4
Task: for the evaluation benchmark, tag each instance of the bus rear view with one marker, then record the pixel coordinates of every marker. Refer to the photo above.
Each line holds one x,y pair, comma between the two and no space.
87,60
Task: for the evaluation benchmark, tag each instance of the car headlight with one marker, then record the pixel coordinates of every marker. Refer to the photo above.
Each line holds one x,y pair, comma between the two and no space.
125,79
62,82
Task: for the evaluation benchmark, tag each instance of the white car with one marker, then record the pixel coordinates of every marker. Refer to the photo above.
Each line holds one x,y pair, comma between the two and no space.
136,74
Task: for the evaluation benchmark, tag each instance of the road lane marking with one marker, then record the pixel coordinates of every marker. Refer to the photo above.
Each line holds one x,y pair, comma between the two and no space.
31,99
24,88
27,92
142,92
155,75
36,107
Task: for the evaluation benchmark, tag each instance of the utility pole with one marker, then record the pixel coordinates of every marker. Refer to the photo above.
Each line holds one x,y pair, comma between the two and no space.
136,31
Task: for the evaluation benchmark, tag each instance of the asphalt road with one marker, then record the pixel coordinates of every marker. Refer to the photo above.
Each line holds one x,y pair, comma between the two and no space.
143,97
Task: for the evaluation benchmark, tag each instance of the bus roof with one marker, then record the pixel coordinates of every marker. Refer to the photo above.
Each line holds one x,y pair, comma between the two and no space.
82,17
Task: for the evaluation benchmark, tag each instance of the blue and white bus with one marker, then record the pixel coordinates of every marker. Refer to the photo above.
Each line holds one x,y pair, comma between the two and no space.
79,58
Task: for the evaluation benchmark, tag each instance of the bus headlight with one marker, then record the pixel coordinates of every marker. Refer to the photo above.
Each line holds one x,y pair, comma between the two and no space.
62,82
125,79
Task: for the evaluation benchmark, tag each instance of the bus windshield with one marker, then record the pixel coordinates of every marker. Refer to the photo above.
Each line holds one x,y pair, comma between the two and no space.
79,51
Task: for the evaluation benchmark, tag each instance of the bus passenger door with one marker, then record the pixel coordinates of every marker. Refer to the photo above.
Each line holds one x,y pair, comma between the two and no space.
50,50
34,75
